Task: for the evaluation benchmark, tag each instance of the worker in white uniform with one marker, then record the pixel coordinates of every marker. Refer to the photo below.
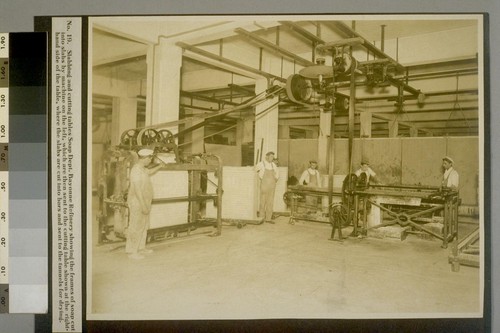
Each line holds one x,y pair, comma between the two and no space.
311,178
268,174
450,175
139,199
365,168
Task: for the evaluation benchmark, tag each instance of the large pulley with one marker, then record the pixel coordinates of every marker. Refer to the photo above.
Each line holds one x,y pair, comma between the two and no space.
129,137
299,89
162,141
348,187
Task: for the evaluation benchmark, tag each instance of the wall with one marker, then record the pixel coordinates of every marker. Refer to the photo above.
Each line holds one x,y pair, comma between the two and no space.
230,155
396,160
296,154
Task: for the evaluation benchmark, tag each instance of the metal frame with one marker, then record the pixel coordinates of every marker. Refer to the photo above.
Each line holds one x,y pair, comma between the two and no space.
433,200
296,192
196,171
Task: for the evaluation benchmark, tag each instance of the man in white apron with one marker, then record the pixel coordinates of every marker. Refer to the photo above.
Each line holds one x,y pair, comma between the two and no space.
371,176
450,176
268,175
310,177
139,199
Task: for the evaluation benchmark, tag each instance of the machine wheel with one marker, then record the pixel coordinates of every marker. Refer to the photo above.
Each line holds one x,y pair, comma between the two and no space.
287,198
348,186
166,136
129,137
147,137
338,213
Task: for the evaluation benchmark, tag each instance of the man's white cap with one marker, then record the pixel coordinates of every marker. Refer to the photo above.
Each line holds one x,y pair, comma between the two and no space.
145,152
449,159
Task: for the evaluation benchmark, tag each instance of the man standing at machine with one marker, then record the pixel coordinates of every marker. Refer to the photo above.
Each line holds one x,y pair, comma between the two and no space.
310,177
268,175
450,176
365,169
139,199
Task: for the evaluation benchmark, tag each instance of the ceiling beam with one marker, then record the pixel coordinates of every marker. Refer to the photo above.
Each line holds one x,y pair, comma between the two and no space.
273,47
120,60
436,93
301,31
221,102
227,61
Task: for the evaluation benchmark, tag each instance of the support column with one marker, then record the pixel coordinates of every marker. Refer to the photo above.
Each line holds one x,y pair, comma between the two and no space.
393,128
194,140
244,131
366,124
124,117
266,123
165,79
323,137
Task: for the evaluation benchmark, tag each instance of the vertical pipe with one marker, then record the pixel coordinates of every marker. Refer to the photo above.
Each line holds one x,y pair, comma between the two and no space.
231,88
356,212
331,148
397,49
313,53
221,47
331,157
382,37
281,72
278,35
352,102
219,197
260,58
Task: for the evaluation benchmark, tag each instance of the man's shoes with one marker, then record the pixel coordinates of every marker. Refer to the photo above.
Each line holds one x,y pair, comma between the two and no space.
136,256
272,222
261,222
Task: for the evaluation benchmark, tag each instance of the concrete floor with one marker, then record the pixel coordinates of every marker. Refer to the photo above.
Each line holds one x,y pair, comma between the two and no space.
282,271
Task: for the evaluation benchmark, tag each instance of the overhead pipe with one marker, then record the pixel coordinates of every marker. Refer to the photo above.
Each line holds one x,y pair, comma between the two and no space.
342,27
301,31
229,62
272,47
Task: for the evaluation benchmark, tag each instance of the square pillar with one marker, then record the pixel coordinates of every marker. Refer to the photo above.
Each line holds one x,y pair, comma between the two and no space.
366,124
164,83
194,140
393,128
323,139
244,131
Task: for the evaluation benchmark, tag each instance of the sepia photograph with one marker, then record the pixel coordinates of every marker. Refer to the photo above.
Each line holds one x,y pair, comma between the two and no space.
285,167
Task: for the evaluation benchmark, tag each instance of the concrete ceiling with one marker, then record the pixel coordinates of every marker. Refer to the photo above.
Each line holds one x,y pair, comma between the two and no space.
125,60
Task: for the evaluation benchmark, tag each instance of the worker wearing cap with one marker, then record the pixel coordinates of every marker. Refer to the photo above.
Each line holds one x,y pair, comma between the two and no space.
450,175
365,168
139,199
268,174
310,177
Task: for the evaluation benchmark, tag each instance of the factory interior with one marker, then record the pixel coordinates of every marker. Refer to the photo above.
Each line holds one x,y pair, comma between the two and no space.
211,96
